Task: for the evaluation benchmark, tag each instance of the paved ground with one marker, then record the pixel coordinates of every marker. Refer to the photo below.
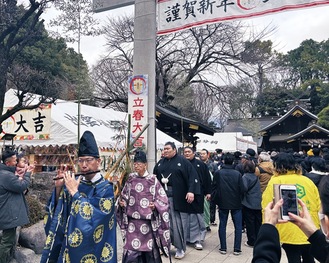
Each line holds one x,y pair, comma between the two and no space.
210,252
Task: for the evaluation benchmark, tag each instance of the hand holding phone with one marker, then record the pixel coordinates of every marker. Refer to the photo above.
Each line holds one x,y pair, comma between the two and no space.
290,202
304,220
272,213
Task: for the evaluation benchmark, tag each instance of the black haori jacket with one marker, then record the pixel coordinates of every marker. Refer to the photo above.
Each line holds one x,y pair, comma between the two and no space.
182,177
205,184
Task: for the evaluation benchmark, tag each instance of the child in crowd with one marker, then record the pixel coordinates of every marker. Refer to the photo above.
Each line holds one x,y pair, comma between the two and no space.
21,168
22,164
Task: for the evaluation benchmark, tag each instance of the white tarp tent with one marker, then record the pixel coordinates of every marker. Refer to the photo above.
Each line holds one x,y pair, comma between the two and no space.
227,141
64,128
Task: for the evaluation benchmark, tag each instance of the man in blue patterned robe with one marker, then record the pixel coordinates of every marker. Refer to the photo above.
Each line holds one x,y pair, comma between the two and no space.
80,221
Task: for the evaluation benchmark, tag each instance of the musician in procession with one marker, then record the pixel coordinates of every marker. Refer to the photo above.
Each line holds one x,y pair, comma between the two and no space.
180,181
143,215
80,221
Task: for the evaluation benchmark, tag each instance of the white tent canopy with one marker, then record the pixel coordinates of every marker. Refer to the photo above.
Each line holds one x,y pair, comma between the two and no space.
64,128
227,141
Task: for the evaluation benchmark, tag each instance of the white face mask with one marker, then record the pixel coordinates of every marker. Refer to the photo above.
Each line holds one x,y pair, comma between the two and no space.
323,225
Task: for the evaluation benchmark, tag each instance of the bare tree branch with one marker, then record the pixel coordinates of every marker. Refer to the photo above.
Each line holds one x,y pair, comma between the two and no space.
206,61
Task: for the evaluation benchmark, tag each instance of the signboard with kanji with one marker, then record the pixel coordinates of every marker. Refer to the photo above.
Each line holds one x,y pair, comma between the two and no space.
138,107
175,15
29,124
104,5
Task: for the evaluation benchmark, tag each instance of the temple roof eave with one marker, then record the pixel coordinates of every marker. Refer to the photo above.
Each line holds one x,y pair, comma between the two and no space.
308,129
311,115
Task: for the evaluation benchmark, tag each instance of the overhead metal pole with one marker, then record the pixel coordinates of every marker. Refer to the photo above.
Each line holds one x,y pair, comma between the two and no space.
144,63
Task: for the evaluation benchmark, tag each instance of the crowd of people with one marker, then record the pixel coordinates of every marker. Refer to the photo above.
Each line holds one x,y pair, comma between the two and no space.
174,206
251,194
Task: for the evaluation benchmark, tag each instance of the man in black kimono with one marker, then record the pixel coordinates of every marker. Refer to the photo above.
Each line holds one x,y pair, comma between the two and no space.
196,226
181,183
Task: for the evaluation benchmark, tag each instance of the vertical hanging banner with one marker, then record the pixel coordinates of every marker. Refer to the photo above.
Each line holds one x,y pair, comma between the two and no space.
29,124
176,15
137,107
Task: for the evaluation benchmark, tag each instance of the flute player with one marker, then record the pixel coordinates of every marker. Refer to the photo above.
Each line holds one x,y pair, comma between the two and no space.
80,220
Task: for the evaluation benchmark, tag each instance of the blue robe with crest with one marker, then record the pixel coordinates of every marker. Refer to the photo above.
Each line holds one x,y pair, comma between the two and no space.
81,228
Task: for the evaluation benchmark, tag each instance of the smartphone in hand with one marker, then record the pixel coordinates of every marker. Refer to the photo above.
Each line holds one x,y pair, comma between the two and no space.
290,203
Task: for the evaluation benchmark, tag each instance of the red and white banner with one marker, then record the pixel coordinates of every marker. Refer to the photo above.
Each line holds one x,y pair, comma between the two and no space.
175,15
137,107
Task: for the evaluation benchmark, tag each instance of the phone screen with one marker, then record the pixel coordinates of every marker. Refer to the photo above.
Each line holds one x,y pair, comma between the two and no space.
289,201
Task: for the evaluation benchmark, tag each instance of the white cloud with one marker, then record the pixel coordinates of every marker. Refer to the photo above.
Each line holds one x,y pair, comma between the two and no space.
295,26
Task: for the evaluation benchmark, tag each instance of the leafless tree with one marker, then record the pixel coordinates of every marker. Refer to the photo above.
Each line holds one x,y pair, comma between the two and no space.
75,19
110,80
196,103
27,82
209,60
110,75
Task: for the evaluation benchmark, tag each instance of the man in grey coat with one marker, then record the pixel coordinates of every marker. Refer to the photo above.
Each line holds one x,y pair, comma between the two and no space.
13,208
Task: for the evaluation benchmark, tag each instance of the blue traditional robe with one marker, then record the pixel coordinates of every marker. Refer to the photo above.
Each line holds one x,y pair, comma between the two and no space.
82,228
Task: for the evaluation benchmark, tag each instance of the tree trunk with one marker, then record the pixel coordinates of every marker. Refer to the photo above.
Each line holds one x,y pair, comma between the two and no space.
3,79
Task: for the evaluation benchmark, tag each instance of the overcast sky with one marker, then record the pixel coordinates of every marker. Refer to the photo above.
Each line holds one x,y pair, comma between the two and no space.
292,28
